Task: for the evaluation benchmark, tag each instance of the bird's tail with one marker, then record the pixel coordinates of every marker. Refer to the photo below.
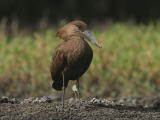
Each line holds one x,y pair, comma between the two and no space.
58,83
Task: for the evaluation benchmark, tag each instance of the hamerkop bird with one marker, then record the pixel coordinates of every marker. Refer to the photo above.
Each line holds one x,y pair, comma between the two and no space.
72,57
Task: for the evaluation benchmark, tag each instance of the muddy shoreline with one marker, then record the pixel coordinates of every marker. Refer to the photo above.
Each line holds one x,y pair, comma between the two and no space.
47,109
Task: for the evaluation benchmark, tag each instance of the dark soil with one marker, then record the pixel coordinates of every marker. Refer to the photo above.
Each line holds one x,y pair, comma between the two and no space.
94,109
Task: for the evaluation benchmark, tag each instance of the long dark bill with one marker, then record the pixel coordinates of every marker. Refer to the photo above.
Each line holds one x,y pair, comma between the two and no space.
90,37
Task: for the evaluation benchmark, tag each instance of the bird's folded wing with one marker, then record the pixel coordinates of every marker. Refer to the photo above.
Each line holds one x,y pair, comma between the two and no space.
58,63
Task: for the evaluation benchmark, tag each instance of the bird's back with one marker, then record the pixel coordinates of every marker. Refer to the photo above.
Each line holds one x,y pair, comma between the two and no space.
73,59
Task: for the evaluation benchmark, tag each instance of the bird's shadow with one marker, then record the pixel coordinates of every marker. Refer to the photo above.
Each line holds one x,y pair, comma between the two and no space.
127,107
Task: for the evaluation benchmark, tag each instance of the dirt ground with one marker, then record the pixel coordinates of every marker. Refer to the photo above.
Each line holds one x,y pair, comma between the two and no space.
44,108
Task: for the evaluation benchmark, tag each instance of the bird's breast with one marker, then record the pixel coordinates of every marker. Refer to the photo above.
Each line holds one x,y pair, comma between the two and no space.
81,53
78,56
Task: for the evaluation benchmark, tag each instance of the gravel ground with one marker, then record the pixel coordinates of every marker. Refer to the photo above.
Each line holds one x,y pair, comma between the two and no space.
45,108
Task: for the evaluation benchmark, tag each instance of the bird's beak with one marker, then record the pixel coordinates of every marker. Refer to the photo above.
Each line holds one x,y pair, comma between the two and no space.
90,37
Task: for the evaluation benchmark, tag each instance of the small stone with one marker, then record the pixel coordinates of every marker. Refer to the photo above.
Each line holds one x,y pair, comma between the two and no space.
4,99
28,100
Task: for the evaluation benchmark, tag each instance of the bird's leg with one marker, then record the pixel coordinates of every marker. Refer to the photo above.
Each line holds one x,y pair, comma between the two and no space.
75,89
63,91
78,92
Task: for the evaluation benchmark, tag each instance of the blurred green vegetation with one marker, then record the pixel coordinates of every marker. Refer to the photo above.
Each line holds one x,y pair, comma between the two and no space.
127,65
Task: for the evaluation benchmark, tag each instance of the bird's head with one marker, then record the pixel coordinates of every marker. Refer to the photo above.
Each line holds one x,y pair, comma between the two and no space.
78,28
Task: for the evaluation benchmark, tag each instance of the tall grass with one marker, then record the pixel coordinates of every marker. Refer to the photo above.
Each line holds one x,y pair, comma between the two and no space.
127,65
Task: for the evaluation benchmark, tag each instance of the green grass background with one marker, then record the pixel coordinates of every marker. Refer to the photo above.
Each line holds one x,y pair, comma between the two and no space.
127,65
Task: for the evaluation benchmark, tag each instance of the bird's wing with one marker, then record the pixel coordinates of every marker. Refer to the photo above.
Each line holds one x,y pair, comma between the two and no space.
57,64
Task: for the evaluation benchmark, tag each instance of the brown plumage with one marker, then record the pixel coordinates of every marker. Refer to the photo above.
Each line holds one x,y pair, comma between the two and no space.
72,57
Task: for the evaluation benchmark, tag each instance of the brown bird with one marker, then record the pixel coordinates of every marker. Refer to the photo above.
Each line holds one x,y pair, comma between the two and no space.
72,57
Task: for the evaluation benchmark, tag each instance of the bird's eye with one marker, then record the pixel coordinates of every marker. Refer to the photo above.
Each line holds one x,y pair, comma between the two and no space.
79,27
